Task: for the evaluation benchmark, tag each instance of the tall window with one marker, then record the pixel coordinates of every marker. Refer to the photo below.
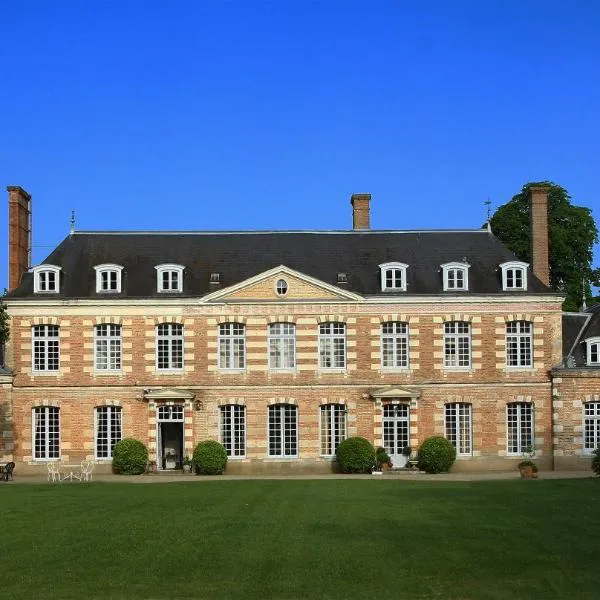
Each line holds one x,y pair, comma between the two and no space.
591,426
519,343
46,432
46,353
332,346
333,427
169,346
457,344
393,276
282,346
108,347
233,429
458,427
394,345
283,430
232,346
108,430
519,426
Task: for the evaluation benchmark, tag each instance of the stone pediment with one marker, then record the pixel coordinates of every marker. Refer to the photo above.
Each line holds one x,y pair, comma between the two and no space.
167,394
389,392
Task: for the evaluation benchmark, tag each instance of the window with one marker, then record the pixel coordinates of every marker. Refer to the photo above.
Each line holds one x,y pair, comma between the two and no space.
514,275
281,287
108,278
46,353
233,429
393,276
46,432
169,278
171,412
457,344
519,427
332,346
108,347
591,426
283,430
46,279
394,345
593,351
519,343
108,430
342,277
215,277
169,346
333,427
458,427
282,346
456,276
232,346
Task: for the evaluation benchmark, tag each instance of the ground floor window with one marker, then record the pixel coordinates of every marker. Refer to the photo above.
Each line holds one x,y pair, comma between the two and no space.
46,432
519,426
333,427
233,429
283,430
108,430
458,427
591,426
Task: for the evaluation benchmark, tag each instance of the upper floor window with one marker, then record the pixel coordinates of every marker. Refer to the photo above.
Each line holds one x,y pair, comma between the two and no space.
232,346
46,279
514,275
46,348
593,351
519,343
169,278
591,426
393,276
282,346
108,347
332,346
169,346
46,432
394,345
519,428
108,278
457,344
456,276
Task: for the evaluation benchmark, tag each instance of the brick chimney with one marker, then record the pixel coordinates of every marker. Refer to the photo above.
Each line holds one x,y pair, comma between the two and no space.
538,216
361,212
19,234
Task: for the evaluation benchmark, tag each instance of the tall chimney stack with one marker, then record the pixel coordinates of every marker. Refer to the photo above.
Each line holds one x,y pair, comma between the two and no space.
538,216
361,217
19,234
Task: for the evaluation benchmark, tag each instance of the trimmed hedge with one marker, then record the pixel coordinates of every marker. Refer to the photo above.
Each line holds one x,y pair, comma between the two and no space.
130,457
596,462
355,455
210,457
436,455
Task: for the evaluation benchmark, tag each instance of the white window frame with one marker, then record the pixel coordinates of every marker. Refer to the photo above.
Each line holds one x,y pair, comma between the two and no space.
233,432
509,270
111,438
46,410
279,341
282,409
333,427
45,341
592,350
114,346
108,269
171,340
591,427
450,271
523,341
399,342
392,267
455,338
170,269
231,335
328,336
41,275
519,408
459,431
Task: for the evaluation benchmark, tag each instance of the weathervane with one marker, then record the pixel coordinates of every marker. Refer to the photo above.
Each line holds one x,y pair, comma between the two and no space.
488,204
72,221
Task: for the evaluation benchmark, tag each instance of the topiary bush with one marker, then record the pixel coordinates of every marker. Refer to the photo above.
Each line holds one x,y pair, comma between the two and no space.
596,462
436,455
210,457
355,455
130,457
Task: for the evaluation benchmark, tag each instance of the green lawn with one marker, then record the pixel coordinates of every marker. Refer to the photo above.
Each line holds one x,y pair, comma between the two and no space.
302,539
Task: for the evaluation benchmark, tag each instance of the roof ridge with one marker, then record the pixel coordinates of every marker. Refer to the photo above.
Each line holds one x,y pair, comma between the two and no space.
273,231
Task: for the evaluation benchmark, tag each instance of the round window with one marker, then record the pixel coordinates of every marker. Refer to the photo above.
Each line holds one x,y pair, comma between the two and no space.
281,287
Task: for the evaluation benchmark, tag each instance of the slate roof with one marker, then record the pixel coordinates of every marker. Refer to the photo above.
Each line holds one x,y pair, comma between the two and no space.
577,327
238,256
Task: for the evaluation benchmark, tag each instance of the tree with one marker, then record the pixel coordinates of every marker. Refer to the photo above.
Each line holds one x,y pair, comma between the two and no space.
572,233
4,328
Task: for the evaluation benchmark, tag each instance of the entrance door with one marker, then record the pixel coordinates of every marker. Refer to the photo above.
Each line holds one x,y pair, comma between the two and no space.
395,432
169,435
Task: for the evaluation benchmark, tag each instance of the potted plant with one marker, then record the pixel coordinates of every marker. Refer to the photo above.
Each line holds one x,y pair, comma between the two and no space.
187,465
383,462
528,469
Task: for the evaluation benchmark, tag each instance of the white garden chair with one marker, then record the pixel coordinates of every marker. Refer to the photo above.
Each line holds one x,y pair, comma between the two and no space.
87,468
53,472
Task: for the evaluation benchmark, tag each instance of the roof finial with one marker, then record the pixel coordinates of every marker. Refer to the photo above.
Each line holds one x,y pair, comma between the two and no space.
488,204
583,300
72,222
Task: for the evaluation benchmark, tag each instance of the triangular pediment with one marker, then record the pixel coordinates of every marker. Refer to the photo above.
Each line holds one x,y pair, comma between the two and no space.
395,392
300,287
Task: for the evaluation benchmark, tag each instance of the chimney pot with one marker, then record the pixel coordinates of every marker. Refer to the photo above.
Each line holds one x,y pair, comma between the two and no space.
538,216
361,217
19,234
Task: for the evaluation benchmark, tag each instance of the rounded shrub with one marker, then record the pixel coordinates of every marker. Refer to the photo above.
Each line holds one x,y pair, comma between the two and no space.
596,462
436,455
210,457
355,455
130,457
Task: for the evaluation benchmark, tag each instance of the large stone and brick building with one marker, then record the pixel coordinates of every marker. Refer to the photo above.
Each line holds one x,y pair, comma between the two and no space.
282,343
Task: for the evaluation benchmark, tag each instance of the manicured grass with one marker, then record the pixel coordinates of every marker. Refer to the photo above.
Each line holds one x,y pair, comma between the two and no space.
302,539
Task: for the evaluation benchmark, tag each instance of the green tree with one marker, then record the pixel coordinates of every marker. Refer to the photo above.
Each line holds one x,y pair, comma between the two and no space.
572,233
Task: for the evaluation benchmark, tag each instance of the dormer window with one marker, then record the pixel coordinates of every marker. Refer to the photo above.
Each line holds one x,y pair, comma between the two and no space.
108,279
514,275
593,351
456,276
393,276
46,279
215,278
169,278
342,278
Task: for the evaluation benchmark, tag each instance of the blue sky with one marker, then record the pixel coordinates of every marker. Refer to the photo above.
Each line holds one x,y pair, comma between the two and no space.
268,115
